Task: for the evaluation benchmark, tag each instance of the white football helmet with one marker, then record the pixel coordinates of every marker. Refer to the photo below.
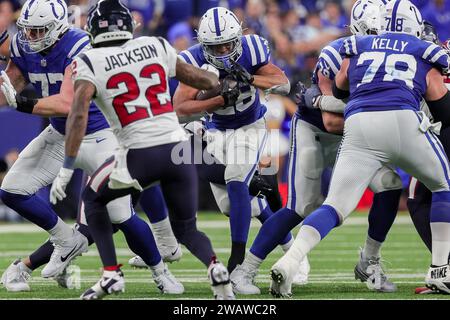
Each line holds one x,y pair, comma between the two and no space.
365,17
41,22
220,26
401,16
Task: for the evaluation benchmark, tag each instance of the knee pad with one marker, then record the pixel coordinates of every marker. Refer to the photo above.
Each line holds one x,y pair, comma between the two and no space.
386,180
311,162
120,210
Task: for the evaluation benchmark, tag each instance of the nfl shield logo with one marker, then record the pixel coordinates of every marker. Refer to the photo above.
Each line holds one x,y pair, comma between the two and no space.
43,63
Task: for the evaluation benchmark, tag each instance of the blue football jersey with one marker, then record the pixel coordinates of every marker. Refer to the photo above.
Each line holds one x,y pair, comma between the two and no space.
328,64
388,71
46,73
248,108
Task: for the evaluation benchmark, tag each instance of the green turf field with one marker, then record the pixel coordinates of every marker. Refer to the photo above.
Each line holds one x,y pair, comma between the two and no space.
331,277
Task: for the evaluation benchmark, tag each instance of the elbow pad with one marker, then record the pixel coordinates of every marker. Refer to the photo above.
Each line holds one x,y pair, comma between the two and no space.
440,109
339,93
281,89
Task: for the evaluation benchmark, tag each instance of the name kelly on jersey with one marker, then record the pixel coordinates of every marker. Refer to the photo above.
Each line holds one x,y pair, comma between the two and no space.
128,57
394,45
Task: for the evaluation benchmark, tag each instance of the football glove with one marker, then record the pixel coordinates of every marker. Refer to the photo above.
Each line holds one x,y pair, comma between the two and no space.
259,187
230,92
308,97
8,90
240,74
58,190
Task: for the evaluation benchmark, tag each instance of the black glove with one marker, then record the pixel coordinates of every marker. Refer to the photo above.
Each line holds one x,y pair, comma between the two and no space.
230,91
259,187
307,97
240,74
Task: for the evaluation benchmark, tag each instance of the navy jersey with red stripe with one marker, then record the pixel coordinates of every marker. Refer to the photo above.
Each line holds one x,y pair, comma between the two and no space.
392,65
248,108
46,73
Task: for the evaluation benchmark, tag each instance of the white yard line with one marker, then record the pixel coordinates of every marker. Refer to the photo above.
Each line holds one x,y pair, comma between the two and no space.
31,228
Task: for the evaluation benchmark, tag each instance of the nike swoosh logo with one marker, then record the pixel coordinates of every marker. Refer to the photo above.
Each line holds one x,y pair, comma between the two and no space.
98,140
63,259
173,253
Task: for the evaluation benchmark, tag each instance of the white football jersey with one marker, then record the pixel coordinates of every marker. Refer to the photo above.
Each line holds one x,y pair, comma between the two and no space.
132,83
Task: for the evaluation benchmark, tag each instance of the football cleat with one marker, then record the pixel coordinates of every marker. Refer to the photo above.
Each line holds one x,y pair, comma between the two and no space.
16,276
242,280
167,283
167,255
370,271
424,290
69,278
301,277
64,252
219,279
438,279
111,282
282,274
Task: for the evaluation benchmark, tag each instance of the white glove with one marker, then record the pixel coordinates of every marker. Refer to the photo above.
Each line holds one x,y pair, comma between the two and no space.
58,191
8,90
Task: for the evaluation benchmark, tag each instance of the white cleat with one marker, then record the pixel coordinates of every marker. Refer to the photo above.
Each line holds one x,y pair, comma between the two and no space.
219,279
16,276
438,279
69,278
301,277
168,255
370,271
63,253
167,283
111,282
282,274
243,281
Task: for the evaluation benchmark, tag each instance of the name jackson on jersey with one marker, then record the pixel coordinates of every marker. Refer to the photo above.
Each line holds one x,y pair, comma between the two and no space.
129,57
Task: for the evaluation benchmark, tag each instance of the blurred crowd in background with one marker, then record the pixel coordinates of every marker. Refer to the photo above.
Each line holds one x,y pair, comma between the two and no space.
296,30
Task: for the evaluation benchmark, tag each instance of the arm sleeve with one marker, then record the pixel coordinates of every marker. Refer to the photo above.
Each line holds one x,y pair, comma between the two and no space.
349,47
331,104
437,57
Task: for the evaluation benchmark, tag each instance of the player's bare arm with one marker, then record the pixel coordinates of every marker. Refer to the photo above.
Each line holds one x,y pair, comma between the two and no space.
184,100
333,122
78,116
270,76
341,85
437,97
58,104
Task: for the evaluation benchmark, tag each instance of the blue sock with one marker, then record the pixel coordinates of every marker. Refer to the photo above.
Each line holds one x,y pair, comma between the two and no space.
32,208
240,211
440,207
382,213
266,214
140,240
273,231
153,203
323,220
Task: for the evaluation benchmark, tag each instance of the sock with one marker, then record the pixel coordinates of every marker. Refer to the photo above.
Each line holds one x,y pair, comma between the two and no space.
140,240
372,248
61,230
32,208
157,269
273,231
307,238
153,203
24,267
251,262
440,227
163,233
266,214
240,216
285,247
41,255
382,213
323,220
240,211
193,239
84,230
237,255
100,227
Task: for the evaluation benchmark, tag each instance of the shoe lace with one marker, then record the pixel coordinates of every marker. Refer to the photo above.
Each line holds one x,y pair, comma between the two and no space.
378,267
